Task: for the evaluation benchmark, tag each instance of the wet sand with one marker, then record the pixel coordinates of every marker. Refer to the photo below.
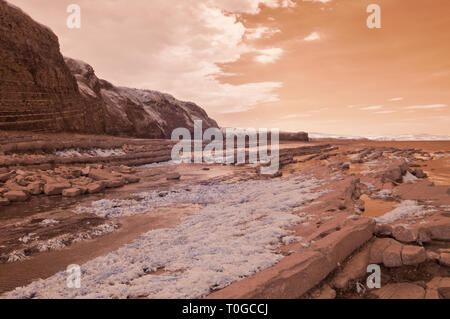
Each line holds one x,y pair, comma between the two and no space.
376,207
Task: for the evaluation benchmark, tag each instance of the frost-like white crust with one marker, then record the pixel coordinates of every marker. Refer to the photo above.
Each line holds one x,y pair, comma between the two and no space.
235,235
407,208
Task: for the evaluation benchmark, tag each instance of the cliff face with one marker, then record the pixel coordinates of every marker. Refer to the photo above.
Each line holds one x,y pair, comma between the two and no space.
141,113
40,91
37,90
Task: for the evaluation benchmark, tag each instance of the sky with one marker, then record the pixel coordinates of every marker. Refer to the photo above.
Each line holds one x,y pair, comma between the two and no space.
296,65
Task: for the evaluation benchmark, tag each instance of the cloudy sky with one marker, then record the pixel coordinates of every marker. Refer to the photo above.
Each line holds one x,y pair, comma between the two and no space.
291,64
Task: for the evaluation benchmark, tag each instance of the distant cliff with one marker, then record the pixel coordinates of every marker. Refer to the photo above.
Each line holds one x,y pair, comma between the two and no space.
42,92
141,113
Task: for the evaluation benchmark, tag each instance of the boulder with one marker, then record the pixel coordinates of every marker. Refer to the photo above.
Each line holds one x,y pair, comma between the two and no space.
419,173
131,179
94,188
394,174
405,234
125,169
396,171
383,230
324,292
100,175
71,192
392,255
413,255
85,171
354,269
16,196
22,181
444,259
438,288
4,177
400,291
56,188
114,183
291,278
342,243
173,176
35,188
432,255
377,249
4,201
438,229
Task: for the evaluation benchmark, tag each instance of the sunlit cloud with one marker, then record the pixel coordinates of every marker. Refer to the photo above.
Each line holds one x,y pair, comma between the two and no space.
396,99
426,107
268,55
371,108
295,116
322,1
319,110
386,112
313,37
260,32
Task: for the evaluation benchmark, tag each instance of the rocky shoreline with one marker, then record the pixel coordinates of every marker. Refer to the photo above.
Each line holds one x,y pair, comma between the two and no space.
326,254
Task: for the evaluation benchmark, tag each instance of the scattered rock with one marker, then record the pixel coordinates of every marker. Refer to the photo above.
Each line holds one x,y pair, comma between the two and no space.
392,255
438,230
125,169
95,188
4,201
377,249
438,288
16,196
413,255
56,188
444,259
419,173
405,234
131,179
324,292
340,244
71,192
354,269
114,183
432,255
100,174
5,177
173,176
383,229
85,171
394,174
400,291
35,188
